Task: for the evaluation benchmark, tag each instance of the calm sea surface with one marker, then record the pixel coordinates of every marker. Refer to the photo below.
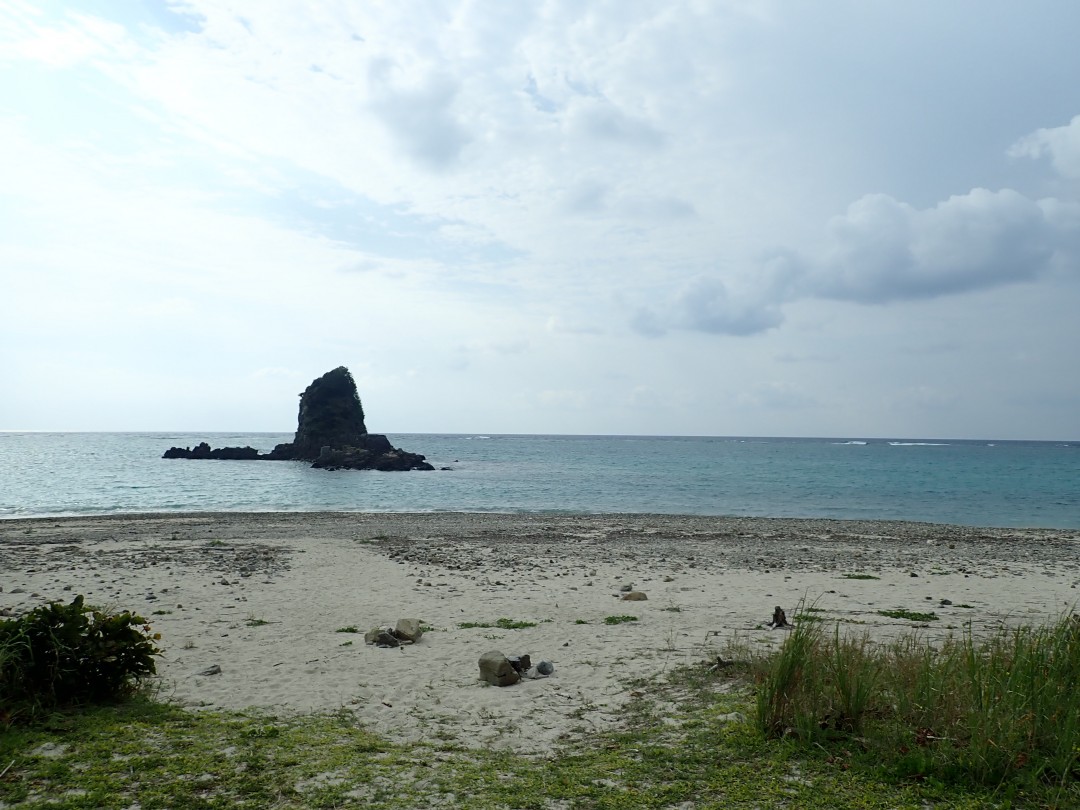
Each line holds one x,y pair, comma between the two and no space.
976,483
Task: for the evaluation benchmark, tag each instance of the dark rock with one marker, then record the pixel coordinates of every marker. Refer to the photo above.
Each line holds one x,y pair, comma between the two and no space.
373,633
520,663
330,416
496,669
330,433
634,596
214,670
204,451
386,638
545,667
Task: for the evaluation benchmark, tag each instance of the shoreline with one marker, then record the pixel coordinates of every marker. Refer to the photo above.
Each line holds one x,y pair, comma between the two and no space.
534,514
264,595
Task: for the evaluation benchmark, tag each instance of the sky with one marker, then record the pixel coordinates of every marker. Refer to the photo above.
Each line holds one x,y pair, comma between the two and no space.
665,217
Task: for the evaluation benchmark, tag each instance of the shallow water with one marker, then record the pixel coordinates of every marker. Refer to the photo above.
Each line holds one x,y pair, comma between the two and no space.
965,482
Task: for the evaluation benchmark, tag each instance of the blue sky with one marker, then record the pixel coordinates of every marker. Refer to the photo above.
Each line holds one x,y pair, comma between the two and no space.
725,218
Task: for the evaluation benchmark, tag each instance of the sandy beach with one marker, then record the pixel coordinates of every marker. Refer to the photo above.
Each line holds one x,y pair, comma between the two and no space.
264,596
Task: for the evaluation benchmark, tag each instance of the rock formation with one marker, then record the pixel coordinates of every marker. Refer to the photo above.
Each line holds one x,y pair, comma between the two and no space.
330,433
330,416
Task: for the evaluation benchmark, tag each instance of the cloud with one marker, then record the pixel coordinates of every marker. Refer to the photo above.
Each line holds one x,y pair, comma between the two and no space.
420,116
79,39
708,304
602,121
883,250
1060,144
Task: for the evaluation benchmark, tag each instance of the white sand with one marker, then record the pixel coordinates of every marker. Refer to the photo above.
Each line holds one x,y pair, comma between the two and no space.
708,580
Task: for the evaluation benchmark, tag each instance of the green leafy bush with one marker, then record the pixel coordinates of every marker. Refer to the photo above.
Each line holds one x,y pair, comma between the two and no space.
62,655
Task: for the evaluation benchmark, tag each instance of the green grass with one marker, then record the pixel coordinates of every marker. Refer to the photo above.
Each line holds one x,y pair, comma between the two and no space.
350,629
858,576
619,619
254,622
501,624
910,615
684,745
1001,712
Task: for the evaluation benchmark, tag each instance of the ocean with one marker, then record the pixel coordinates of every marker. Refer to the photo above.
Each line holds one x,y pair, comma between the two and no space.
975,483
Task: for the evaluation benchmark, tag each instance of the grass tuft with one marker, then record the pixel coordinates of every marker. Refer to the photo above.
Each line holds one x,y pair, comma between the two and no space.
501,624
1001,710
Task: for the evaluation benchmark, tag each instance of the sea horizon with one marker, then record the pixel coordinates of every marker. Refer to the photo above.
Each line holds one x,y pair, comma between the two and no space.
735,437
978,482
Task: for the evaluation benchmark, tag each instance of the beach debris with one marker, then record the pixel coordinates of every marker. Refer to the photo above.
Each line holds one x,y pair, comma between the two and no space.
779,618
634,596
381,637
520,663
214,670
496,669
406,631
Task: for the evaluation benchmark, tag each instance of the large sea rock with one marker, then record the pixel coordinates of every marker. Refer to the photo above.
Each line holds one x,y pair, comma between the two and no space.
330,433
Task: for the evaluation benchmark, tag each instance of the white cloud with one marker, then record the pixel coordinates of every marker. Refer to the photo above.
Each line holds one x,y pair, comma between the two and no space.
81,38
1060,144
883,250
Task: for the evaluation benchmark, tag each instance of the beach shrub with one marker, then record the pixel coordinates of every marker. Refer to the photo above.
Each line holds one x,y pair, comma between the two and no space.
61,655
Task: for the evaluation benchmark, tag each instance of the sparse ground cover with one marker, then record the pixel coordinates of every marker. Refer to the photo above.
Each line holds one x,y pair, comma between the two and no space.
693,739
700,752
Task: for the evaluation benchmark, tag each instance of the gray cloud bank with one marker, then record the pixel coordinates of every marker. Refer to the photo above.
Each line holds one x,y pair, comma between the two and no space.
882,250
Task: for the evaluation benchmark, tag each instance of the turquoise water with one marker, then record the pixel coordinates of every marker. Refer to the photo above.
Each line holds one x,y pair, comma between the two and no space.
966,482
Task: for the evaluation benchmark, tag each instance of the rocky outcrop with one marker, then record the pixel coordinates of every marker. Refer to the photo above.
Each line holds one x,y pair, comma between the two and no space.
203,450
330,416
330,433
